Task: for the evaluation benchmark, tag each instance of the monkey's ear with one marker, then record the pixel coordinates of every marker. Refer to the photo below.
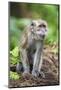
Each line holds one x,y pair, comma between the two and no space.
33,23
30,28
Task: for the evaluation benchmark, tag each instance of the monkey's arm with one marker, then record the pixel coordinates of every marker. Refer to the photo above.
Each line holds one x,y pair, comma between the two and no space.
37,60
24,40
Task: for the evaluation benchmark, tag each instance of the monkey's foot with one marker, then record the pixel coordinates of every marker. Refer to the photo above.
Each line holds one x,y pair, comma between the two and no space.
42,74
26,73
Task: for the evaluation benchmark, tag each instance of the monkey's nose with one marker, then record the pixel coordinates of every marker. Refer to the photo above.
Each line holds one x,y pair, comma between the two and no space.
42,36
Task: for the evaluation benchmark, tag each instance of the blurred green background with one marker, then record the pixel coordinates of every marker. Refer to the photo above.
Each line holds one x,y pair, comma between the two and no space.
21,14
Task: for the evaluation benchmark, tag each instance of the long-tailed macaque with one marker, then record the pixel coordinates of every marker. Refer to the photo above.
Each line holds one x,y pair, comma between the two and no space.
31,48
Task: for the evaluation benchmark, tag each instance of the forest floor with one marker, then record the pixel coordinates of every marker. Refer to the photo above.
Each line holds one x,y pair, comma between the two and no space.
50,67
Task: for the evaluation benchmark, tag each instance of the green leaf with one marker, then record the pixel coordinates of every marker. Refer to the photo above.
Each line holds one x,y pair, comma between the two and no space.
14,75
14,52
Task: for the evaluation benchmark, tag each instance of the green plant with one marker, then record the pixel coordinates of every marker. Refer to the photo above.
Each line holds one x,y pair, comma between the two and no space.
13,75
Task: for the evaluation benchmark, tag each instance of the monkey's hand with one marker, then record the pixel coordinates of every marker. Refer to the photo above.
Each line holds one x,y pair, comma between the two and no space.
35,73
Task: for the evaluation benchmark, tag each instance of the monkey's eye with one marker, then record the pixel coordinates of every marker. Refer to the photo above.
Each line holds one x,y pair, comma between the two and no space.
42,25
32,24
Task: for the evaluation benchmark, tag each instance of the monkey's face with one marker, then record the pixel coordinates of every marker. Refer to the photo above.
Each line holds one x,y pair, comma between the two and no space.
39,29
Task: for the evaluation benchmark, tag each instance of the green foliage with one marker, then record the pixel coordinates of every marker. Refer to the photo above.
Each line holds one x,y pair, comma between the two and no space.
14,52
15,32
14,56
22,22
14,75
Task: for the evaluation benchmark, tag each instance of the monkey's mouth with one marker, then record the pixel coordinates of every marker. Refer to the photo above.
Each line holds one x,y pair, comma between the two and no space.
40,34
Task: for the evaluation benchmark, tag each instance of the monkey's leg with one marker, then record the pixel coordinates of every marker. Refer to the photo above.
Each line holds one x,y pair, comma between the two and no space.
25,61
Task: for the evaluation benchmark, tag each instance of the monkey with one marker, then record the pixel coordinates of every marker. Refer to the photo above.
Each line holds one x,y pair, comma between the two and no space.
32,48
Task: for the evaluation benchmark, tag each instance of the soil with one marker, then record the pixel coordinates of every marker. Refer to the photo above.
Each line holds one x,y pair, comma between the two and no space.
50,67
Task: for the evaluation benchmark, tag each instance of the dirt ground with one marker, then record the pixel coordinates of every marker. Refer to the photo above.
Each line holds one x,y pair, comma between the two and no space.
50,67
